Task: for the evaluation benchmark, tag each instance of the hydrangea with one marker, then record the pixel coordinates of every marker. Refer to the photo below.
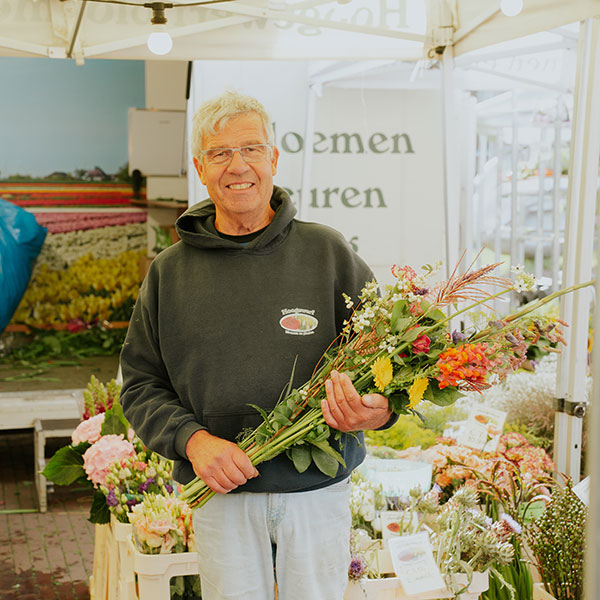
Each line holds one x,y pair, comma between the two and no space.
98,458
88,430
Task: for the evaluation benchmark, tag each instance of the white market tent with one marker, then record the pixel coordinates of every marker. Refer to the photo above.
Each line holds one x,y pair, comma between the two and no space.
356,30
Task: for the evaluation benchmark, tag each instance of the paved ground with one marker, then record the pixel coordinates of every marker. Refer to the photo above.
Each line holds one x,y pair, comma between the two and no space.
42,556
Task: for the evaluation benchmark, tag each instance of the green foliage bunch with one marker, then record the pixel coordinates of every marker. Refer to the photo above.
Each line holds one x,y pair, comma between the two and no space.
557,542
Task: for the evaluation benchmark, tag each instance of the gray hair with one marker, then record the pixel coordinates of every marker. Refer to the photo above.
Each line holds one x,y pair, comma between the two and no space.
214,113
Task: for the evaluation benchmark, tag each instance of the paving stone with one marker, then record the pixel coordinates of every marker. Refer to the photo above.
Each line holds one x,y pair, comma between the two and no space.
43,556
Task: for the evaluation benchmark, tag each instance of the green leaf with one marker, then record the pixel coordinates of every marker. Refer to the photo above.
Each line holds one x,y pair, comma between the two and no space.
436,315
115,422
66,466
320,433
401,324
99,511
441,397
398,402
325,463
264,415
327,449
400,310
293,399
301,457
411,335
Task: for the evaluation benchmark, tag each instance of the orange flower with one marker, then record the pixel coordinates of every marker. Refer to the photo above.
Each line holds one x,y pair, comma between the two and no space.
463,364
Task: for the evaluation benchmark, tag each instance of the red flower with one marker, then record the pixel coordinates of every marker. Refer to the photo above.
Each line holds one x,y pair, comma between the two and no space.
421,344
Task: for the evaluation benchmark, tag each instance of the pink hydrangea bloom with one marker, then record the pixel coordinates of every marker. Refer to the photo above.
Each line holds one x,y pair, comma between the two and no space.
88,430
99,457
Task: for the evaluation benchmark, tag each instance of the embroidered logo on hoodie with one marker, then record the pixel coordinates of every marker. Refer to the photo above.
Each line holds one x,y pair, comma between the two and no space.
298,321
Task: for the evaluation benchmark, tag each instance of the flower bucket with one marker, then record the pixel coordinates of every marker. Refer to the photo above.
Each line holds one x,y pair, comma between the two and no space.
125,576
99,577
390,588
154,571
397,476
540,593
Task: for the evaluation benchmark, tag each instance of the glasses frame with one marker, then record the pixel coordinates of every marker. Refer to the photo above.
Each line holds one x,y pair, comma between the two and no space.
239,149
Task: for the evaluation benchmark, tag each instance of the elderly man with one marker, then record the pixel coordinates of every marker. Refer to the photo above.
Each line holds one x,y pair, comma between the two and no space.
213,331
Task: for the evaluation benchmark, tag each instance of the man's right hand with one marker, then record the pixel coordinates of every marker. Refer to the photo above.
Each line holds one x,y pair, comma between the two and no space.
221,464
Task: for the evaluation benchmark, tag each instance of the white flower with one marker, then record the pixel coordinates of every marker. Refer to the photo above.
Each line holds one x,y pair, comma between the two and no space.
523,281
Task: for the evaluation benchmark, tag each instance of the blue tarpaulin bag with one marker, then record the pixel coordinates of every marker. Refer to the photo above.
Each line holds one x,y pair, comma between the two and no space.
21,240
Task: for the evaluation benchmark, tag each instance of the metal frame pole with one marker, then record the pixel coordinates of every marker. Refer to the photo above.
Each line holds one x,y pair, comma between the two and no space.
578,251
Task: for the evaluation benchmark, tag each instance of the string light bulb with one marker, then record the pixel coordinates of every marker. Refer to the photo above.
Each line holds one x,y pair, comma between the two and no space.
511,8
159,41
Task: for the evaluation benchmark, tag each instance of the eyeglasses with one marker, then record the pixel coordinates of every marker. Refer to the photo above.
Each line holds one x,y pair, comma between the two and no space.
250,154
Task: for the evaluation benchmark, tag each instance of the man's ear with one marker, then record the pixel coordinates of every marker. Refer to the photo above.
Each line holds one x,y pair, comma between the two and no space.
199,169
275,159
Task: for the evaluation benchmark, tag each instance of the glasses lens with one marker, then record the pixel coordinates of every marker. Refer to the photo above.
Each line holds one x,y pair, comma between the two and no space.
254,153
251,154
219,156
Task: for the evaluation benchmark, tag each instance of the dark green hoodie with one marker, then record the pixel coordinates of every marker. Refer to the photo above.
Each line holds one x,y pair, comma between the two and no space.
218,325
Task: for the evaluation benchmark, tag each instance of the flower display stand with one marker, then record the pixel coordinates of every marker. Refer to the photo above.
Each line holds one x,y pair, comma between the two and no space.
540,593
390,588
124,575
154,571
99,577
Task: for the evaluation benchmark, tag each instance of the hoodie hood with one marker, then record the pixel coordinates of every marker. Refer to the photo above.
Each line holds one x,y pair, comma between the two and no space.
196,226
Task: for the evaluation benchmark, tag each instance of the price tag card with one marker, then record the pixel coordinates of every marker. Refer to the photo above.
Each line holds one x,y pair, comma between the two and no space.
412,557
482,429
395,523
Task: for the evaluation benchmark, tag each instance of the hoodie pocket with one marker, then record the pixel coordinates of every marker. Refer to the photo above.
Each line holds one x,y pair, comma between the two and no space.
230,425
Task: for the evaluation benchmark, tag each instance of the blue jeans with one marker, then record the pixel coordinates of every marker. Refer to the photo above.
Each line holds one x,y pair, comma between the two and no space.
245,541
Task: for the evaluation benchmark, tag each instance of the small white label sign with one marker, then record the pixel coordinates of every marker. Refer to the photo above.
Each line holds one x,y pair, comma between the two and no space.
482,429
412,557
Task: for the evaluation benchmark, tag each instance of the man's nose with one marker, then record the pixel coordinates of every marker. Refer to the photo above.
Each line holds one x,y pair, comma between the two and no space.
237,162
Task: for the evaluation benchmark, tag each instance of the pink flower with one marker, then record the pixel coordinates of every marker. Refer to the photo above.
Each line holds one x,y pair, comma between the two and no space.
99,457
421,344
88,430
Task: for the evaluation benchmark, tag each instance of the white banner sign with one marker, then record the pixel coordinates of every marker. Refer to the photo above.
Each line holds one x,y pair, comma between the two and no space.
376,171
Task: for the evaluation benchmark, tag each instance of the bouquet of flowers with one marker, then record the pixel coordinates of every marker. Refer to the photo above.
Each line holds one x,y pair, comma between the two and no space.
400,344
128,481
163,525
103,450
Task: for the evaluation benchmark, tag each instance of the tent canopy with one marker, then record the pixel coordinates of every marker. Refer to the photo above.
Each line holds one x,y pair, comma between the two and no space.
274,29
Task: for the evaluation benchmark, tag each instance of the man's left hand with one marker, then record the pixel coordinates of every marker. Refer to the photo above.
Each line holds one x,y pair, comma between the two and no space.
346,410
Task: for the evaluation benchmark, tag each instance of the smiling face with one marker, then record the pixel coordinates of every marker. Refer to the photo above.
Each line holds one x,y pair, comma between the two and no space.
240,191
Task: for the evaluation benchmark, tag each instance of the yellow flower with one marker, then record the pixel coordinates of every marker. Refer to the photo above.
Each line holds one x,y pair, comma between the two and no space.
382,372
416,391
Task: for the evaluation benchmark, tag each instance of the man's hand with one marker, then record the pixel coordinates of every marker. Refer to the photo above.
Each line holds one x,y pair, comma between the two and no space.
221,464
345,409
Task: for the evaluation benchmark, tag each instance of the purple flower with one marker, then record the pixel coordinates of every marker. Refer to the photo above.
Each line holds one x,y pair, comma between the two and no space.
420,291
357,568
169,488
132,502
458,336
143,487
111,499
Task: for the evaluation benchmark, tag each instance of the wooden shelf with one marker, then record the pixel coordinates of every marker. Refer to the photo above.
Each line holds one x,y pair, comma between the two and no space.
181,204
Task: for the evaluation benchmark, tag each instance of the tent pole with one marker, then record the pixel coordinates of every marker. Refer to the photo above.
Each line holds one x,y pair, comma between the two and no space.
592,573
578,252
